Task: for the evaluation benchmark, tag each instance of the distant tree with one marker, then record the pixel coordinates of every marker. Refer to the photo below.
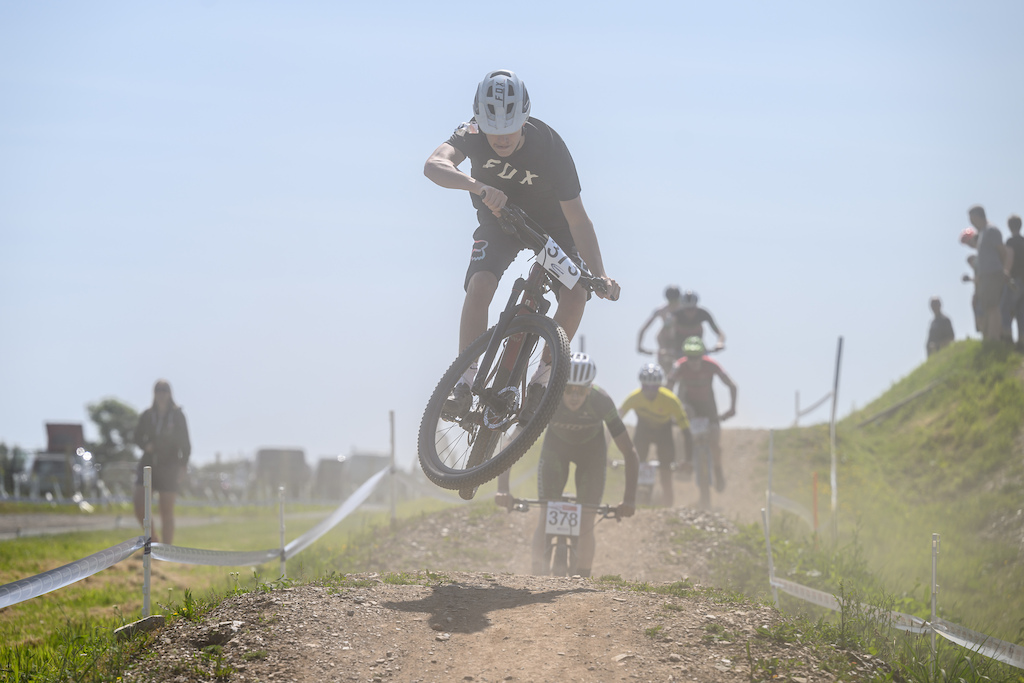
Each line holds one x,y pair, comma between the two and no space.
12,461
115,421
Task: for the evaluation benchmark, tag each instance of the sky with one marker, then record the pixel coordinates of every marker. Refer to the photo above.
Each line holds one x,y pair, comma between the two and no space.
230,196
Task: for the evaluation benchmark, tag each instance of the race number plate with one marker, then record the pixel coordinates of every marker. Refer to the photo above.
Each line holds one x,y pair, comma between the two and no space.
699,425
555,261
648,474
563,519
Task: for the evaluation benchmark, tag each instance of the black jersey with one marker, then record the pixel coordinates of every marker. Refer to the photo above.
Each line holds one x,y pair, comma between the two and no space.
536,177
577,426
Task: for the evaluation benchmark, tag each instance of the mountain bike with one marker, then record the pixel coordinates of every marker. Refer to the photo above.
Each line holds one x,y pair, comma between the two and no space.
562,524
463,452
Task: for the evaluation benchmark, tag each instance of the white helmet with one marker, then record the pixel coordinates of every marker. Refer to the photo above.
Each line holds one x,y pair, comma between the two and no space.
651,374
501,105
582,370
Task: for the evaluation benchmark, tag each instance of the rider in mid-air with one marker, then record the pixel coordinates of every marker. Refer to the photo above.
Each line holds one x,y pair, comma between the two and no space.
670,345
656,408
690,319
694,374
519,158
576,435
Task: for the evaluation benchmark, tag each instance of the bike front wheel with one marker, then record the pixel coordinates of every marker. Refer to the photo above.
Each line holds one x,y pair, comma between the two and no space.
464,452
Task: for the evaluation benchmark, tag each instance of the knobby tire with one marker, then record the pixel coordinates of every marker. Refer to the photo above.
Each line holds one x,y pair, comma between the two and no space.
446,448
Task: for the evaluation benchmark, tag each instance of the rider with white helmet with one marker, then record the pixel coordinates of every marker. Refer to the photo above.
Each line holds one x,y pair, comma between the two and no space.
656,409
516,157
576,435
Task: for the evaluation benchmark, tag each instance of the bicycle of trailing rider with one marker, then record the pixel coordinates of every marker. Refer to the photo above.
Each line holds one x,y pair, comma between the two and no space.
563,524
463,452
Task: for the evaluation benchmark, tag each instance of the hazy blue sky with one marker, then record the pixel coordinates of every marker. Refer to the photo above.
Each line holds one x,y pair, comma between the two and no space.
230,195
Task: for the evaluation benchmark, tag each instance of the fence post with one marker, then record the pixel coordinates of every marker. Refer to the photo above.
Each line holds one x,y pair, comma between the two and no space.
394,494
935,593
832,442
771,564
147,529
771,461
280,516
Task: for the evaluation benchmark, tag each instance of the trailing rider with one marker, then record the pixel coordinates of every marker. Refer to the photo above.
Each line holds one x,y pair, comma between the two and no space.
656,409
690,319
693,376
670,344
576,435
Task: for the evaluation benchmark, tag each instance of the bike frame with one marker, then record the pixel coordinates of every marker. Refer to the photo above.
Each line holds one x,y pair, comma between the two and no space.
533,302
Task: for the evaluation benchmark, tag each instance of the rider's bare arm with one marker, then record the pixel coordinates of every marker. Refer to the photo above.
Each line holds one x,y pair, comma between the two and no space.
643,330
717,331
732,394
582,230
442,168
625,445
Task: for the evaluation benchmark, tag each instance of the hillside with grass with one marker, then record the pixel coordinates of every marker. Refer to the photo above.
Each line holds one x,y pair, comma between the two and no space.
940,451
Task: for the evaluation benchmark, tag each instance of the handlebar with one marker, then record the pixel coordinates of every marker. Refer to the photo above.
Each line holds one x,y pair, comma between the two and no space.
514,221
605,511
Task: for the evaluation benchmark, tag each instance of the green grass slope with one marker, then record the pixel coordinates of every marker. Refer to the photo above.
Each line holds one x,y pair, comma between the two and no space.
950,460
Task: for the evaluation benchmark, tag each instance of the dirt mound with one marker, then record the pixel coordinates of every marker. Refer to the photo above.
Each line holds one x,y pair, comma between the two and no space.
446,598
469,627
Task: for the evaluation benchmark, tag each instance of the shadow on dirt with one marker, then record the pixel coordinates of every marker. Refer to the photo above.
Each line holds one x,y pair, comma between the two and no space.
456,608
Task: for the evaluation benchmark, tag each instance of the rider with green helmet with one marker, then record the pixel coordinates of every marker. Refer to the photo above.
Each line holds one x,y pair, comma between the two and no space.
692,377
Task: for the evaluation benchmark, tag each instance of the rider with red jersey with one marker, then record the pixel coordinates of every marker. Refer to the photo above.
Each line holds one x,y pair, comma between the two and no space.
692,378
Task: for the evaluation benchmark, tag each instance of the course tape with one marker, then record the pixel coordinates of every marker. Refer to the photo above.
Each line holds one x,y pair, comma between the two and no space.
216,558
794,507
346,508
34,586
993,648
904,622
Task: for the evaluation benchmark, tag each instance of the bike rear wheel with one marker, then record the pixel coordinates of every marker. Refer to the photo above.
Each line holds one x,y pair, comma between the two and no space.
460,454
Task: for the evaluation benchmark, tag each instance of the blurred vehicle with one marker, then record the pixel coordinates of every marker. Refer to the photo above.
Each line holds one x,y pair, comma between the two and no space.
329,482
61,475
277,467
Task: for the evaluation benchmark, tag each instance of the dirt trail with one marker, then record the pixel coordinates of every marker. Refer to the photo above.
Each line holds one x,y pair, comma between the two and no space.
447,598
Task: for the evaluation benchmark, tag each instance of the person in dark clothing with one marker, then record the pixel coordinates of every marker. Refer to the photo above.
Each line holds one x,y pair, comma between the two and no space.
1013,308
940,333
990,274
162,434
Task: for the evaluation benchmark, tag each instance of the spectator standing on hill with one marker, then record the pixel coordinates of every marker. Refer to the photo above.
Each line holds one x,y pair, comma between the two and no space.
162,434
991,273
940,334
1013,305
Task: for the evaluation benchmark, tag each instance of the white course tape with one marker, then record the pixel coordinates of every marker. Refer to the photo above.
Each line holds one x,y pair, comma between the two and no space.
904,622
346,508
794,507
993,648
216,558
34,586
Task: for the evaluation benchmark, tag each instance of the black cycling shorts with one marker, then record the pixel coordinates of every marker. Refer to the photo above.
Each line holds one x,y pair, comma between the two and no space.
591,459
661,436
494,251
166,474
